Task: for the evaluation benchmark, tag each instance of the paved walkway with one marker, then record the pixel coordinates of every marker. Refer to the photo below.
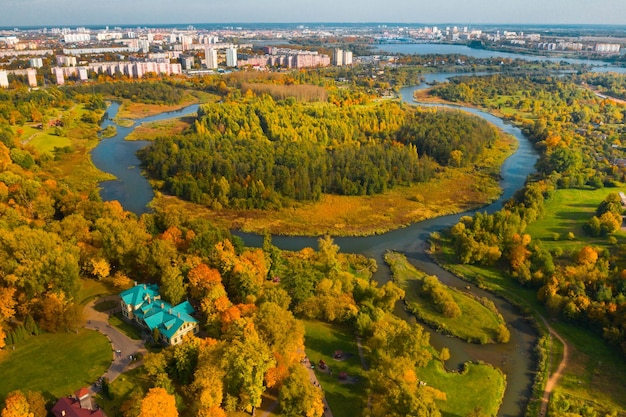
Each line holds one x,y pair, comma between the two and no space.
122,346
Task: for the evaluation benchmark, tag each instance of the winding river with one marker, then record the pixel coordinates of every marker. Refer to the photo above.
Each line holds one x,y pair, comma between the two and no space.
131,188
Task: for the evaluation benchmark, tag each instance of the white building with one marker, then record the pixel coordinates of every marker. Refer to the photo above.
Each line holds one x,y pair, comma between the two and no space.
211,58
231,57
66,61
35,62
4,81
341,57
76,37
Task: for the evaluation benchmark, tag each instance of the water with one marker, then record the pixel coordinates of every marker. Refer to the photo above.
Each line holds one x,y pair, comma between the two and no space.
119,157
449,49
133,191
513,358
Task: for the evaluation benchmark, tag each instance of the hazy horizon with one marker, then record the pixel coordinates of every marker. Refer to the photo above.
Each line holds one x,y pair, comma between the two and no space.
22,13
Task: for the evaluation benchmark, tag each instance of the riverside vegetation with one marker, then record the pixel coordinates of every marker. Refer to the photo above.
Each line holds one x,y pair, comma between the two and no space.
446,309
560,236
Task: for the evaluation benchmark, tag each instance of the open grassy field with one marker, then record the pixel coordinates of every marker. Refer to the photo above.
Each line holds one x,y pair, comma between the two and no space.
321,342
478,385
567,211
56,364
476,322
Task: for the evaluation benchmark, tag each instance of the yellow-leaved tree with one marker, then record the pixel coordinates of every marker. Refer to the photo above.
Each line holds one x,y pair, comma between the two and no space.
158,403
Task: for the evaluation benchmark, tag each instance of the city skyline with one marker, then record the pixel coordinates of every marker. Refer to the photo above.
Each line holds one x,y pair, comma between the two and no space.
118,12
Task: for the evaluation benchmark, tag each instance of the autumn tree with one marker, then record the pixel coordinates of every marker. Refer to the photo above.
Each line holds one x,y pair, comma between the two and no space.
158,403
16,405
299,397
173,289
246,360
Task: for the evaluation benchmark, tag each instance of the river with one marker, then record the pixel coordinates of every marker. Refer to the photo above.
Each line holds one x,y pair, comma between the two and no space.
117,156
454,49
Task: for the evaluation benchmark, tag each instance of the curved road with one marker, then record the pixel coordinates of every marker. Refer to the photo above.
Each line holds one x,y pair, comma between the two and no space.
119,341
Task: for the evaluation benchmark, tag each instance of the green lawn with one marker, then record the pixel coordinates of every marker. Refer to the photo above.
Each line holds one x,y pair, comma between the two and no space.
56,364
477,386
121,388
476,322
124,327
567,211
91,288
321,342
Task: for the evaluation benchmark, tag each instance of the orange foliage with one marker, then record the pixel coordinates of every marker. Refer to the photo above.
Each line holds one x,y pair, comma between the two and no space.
7,303
16,405
158,403
202,279
587,256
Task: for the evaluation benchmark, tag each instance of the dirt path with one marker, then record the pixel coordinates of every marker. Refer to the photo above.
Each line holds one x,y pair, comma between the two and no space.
554,378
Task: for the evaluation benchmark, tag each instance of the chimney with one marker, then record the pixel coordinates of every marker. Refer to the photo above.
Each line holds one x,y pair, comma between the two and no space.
170,311
63,412
145,287
162,305
179,314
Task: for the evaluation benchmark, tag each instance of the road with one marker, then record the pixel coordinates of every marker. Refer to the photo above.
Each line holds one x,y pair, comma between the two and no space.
119,341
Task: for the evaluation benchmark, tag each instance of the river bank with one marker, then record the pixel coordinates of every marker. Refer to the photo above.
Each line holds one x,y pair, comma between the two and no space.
513,358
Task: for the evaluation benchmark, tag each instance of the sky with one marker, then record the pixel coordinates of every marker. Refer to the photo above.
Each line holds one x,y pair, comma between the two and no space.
145,12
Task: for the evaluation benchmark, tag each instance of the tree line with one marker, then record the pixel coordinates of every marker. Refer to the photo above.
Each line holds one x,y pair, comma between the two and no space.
255,152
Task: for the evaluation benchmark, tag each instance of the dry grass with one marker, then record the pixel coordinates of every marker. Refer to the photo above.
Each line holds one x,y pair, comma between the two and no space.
153,130
130,110
452,191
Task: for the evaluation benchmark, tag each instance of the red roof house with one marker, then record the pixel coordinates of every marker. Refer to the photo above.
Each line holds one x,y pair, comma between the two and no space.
77,406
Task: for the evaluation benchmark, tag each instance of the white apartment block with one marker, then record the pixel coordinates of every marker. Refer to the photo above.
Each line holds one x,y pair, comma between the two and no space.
35,62
76,37
341,57
66,61
210,58
231,57
4,80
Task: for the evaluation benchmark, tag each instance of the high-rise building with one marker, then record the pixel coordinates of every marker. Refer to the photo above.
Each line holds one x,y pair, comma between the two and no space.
341,57
347,57
4,81
231,57
187,61
337,57
31,74
211,58
35,62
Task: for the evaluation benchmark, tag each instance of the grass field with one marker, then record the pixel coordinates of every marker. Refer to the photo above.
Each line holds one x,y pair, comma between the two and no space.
56,364
476,322
477,386
567,211
321,342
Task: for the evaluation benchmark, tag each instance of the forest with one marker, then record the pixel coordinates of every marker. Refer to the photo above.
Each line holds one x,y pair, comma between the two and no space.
255,152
